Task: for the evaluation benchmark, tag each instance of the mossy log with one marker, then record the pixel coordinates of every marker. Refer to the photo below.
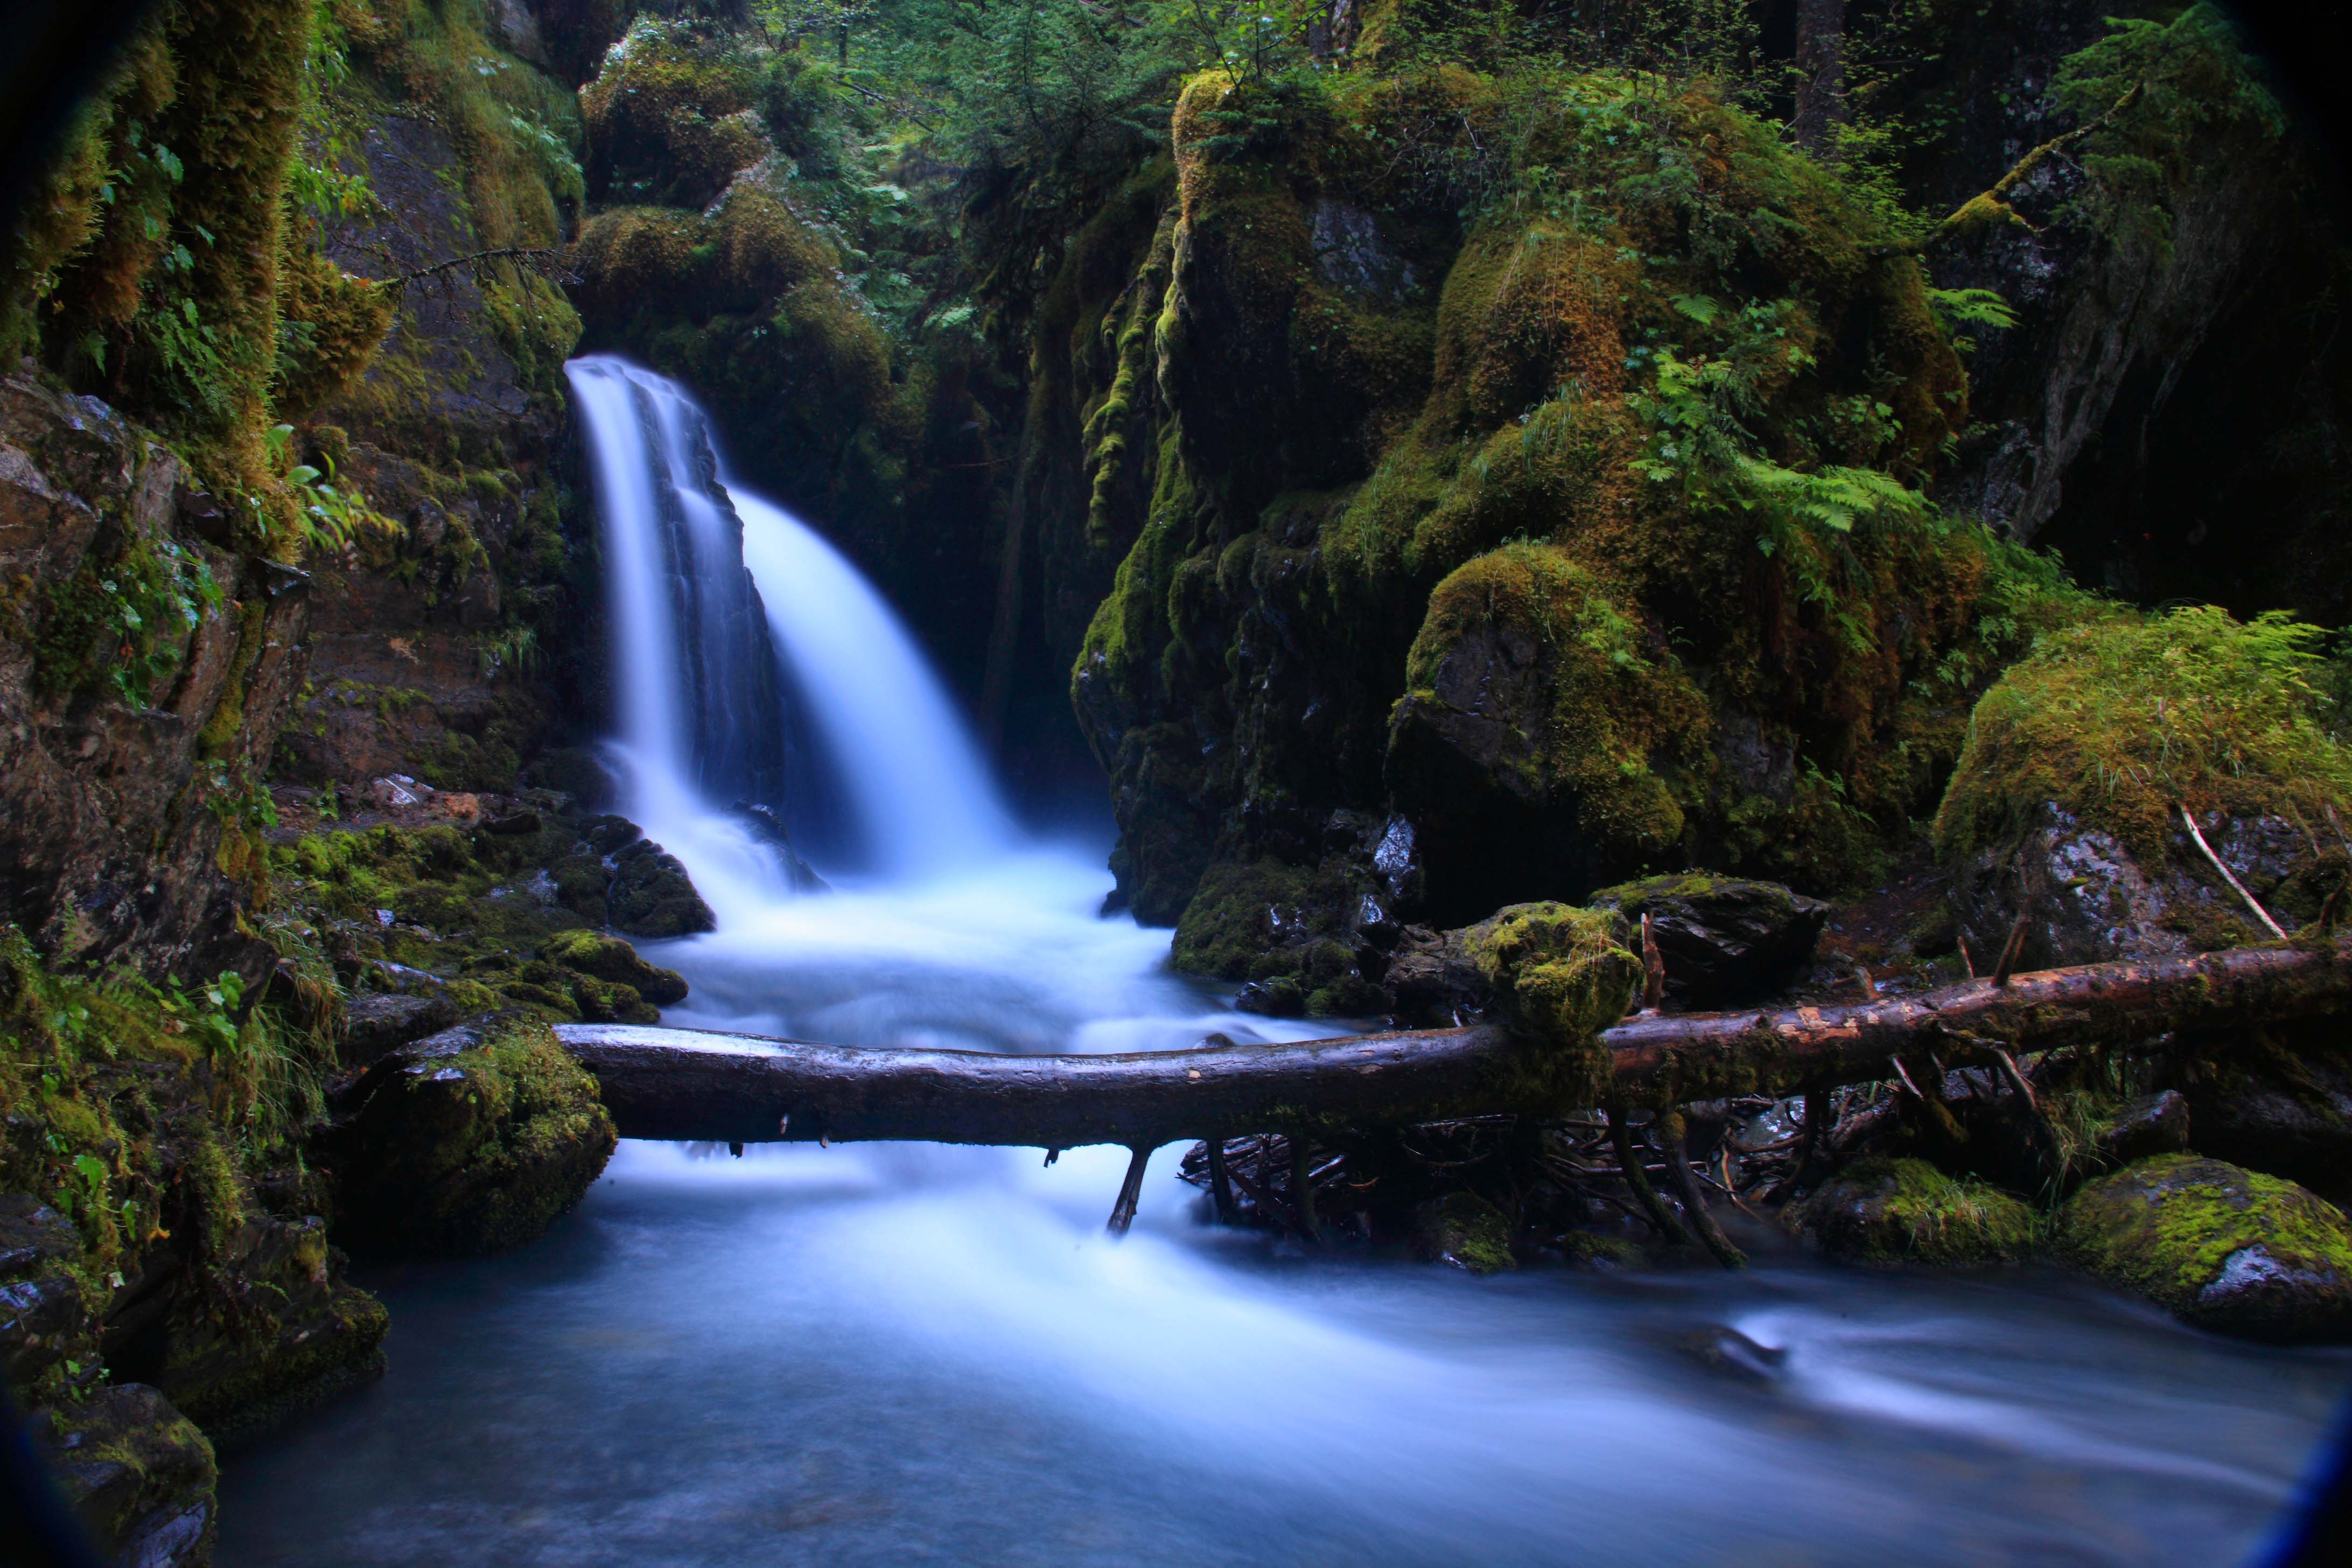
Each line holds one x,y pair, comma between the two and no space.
667,1083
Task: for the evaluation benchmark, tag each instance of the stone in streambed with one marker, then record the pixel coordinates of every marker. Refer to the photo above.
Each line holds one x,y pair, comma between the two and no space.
1883,1211
2224,1248
608,958
1464,1230
474,1141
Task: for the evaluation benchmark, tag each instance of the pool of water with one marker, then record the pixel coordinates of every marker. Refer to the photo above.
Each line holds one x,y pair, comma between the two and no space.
928,1354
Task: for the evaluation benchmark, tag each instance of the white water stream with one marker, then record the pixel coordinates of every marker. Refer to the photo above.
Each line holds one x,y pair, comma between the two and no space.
897,1353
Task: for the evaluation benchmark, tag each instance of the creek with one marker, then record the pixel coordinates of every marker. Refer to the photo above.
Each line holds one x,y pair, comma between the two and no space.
886,1353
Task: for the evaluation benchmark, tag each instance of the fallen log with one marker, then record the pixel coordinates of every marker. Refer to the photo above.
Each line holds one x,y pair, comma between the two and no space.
683,1084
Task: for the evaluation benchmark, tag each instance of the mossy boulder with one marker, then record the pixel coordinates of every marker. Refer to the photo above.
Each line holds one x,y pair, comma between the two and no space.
1294,932
1724,939
1561,973
2222,1247
652,896
1464,1230
1882,1211
670,115
2065,805
608,958
138,1473
474,1141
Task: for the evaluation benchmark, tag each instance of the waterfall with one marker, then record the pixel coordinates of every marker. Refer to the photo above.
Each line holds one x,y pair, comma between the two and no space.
720,601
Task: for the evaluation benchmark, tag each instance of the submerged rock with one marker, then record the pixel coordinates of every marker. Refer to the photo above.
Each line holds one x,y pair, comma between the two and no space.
137,1472
472,1141
1464,1230
1884,1211
652,896
2223,1248
1726,940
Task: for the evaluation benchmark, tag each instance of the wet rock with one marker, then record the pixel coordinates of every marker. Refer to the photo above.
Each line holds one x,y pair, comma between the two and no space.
611,958
1432,980
1881,1211
1464,1230
652,896
138,1473
1724,1350
2151,1125
769,828
304,1333
384,1023
1726,940
1277,998
513,823
2223,1248
473,1140
607,834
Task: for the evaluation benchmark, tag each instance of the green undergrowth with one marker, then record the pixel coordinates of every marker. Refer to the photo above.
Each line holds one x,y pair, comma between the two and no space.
2123,719
143,1112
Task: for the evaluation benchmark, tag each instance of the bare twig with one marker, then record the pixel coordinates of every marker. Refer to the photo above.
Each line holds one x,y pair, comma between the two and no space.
2253,903
2015,945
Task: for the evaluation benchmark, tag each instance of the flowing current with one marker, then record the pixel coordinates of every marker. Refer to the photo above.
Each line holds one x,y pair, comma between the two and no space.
892,1353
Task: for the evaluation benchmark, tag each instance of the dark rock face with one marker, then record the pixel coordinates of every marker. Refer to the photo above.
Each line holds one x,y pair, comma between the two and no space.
138,1473
652,896
112,766
1726,940
2224,1248
41,1305
472,1141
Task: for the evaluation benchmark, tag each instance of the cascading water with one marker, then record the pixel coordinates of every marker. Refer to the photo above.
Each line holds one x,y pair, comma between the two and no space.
901,1352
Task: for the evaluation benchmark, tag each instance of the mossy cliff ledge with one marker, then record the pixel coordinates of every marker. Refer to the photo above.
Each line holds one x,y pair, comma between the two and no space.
146,665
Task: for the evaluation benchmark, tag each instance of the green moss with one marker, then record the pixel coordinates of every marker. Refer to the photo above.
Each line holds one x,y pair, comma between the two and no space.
1465,1230
2119,720
479,1152
1907,1211
1608,718
2168,1226
1560,975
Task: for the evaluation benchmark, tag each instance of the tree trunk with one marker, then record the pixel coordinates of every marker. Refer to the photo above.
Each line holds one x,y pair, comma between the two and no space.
688,1084
1821,77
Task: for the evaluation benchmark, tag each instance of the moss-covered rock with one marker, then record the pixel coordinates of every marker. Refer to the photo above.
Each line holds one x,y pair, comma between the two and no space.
139,1474
1561,973
1884,1211
652,896
476,1144
1464,1230
1724,939
2065,804
608,958
2224,1248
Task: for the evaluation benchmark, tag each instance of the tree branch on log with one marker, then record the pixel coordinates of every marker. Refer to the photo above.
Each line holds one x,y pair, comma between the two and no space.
686,1084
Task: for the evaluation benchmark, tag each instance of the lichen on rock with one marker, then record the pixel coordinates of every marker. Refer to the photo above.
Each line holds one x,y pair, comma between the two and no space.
2222,1247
